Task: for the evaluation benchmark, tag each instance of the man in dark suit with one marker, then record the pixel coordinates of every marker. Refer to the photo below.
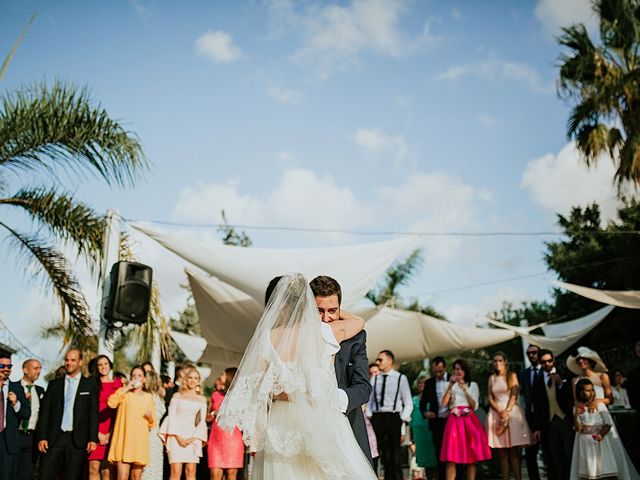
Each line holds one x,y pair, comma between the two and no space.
28,452
431,406
526,379
68,424
13,409
351,362
553,417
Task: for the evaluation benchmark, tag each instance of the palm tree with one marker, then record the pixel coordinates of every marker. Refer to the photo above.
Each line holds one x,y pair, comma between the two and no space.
604,81
396,275
45,131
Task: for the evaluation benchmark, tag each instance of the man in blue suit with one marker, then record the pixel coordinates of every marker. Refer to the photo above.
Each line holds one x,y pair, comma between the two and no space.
14,408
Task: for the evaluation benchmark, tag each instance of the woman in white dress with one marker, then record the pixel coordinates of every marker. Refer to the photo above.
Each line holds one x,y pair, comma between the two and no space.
587,364
284,397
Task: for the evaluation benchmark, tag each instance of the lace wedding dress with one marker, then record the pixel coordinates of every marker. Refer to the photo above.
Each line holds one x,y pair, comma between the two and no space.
304,436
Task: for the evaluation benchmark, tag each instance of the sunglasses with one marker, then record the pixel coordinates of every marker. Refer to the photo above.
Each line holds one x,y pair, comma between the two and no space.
2,365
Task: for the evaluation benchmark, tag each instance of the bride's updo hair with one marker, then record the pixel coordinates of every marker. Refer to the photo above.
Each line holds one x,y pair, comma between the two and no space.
291,291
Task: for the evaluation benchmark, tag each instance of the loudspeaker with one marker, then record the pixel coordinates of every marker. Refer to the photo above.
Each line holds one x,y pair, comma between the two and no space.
130,293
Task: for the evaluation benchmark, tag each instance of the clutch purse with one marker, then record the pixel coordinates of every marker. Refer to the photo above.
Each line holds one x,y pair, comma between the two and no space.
198,418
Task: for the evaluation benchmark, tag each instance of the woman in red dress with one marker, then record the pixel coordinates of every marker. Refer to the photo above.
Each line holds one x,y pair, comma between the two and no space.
99,467
226,450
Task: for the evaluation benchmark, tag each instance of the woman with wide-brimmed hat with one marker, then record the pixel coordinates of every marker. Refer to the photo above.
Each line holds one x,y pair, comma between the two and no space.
586,363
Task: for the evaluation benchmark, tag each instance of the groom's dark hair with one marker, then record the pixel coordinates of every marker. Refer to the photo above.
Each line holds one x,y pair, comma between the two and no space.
323,286
270,288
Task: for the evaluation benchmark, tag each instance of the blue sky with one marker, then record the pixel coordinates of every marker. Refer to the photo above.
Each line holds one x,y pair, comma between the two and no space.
358,115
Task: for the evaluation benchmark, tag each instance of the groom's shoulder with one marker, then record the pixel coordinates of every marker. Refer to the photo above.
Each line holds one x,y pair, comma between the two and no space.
359,338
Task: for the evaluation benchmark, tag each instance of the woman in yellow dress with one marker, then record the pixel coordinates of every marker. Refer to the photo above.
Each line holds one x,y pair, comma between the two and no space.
130,444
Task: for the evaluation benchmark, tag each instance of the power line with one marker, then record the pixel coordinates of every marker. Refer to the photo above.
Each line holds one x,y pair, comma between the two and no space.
382,232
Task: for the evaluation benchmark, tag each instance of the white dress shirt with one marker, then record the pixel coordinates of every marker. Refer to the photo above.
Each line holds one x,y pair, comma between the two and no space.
16,407
441,388
401,403
35,405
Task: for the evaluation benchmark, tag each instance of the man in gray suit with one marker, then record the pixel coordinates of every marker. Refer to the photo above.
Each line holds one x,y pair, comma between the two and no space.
351,362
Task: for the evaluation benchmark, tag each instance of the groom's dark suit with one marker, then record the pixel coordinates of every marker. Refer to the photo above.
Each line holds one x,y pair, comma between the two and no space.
352,373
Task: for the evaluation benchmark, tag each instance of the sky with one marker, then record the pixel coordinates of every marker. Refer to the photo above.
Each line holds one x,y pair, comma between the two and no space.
361,116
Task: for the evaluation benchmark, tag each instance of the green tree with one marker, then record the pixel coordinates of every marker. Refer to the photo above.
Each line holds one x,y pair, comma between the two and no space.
45,131
603,78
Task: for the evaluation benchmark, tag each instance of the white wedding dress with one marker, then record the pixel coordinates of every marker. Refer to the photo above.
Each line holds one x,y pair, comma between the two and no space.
305,437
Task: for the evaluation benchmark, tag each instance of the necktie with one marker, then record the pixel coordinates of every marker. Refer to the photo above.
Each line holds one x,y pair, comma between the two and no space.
1,409
25,422
549,381
67,419
384,386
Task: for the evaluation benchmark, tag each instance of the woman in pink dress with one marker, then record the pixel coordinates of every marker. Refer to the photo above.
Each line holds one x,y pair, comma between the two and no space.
464,440
226,450
507,427
99,467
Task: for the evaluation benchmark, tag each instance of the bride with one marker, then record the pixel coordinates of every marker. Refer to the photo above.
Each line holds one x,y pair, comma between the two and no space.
284,397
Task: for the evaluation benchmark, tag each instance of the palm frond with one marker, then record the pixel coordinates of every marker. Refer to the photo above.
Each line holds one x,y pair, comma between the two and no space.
42,127
56,273
66,218
7,60
396,275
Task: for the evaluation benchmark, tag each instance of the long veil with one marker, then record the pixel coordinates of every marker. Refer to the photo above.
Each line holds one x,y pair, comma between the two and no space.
287,354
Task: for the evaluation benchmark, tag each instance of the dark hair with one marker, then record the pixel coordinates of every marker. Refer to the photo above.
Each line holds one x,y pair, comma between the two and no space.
437,360
5,353
150,364
503,355
165,379
543,352
119,375
77,350
534,346
373,365
465,368
93,369
137,367
229,374
389,354
583,382
176,372
324,286
270,288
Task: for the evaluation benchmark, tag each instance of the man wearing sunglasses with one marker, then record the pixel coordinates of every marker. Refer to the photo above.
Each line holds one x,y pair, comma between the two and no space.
13,409
526,378
553,418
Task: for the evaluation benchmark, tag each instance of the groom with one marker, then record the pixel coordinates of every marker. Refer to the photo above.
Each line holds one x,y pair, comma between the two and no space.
351,363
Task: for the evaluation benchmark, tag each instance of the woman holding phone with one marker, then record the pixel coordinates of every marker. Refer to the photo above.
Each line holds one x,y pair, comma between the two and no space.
130,443
464,440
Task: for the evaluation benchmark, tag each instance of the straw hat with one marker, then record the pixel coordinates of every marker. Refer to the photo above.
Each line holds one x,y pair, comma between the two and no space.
585,352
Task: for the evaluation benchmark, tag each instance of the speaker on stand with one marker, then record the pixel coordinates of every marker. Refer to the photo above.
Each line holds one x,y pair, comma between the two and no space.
129,294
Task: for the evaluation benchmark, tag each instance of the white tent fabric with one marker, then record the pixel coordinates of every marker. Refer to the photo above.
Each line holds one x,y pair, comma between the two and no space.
191,345
619,298
559,337
356,267
414,335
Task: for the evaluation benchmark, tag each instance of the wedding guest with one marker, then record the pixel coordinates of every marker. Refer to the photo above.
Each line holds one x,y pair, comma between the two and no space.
464,440
433,409
526,378
422,439
154,471
122,377
148,367
389,408
130,441
99,467
225,450
14,409
552,417
184,430
371,434
507,428
633,381
23,464
68,424
619,390
598,452
587,364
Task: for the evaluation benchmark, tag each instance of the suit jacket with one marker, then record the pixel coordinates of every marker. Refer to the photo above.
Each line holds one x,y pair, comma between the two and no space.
85,412
352,374
429,397
564,396
526,387
633,388
14,418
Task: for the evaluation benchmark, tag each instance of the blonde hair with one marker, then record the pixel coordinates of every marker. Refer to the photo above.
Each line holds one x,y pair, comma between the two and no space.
185,373
152,383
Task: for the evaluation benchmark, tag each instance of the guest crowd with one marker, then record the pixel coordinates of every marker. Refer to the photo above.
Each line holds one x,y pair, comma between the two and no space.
146,426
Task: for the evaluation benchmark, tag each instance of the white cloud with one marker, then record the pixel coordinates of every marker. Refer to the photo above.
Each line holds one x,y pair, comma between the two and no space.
554,14
286,96
499,70
335,36
560,181
218,46
378,143
488,121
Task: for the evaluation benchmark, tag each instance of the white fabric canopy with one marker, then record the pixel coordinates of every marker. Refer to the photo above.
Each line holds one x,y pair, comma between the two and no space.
356,267
191,345
558,337
619,298
414,335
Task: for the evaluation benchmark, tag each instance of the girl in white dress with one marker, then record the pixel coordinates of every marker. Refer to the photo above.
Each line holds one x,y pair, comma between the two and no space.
284,397
598,452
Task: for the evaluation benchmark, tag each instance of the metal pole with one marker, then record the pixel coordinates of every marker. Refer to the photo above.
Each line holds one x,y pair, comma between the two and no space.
527,363
111,243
